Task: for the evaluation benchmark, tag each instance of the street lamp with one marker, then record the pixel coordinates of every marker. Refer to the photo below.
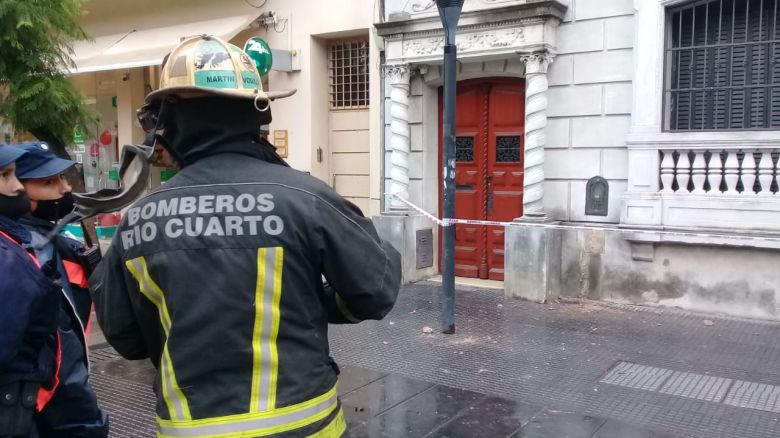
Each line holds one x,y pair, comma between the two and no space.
449,12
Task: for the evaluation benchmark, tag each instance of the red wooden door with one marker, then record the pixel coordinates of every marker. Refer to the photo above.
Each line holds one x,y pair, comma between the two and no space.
489,171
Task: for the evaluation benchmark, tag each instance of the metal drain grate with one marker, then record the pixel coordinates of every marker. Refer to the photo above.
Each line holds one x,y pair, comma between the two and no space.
738,393
103,354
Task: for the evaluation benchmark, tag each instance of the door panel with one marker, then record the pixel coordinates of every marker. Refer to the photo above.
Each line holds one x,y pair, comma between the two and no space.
469,177
348,161
506,128
489,171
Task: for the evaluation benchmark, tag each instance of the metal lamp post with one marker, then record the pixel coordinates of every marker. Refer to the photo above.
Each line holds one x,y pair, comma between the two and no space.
449,12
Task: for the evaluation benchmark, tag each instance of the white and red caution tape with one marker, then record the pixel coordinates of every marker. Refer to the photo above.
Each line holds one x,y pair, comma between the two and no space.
448,222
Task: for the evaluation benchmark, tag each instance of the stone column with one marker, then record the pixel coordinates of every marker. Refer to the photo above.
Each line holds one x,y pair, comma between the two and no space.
535,124
534,253
399,75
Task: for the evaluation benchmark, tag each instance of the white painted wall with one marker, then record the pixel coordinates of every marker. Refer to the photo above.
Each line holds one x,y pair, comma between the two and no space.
306,115
590,98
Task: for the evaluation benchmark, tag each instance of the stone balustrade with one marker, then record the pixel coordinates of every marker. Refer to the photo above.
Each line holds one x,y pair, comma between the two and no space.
719,171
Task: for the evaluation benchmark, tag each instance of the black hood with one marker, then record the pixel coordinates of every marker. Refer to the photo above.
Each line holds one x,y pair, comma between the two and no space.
197,128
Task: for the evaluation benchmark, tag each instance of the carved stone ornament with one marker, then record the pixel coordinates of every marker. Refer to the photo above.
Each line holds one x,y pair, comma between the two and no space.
422,6
466,43
537,62
398,73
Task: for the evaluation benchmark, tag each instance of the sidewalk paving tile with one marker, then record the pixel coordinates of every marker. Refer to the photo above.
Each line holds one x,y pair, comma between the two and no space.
616,429
491,417
551,424
417,416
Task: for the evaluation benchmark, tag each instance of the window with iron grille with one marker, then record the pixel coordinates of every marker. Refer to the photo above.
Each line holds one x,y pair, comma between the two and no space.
723,66
348,68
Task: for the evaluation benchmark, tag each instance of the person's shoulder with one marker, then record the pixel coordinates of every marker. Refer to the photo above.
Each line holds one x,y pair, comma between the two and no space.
72,243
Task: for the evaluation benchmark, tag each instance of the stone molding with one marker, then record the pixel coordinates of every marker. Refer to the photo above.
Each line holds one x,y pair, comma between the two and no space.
465,42
463,29
507,13
428,7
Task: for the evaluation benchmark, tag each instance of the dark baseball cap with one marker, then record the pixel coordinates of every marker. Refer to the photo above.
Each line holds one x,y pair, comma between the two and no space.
40,162
9,154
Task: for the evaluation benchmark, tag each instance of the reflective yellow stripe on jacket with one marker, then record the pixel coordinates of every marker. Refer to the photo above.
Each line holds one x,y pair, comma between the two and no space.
261,424
265,363
178,407
263,417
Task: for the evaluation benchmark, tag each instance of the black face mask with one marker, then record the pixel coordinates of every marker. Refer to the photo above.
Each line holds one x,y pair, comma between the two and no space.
54,210
14,207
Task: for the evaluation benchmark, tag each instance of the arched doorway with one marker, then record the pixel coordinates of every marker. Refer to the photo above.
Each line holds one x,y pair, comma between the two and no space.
489,170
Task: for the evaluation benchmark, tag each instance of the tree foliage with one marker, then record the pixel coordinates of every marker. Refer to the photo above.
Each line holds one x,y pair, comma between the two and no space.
36,39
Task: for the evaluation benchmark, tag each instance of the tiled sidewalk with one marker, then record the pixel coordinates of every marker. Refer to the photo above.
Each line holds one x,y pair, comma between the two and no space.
528,370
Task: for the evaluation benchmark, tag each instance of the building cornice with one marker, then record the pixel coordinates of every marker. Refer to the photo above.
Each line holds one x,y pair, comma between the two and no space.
532,11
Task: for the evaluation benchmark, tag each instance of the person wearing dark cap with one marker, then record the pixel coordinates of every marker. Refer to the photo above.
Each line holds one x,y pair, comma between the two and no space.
73,410
28,313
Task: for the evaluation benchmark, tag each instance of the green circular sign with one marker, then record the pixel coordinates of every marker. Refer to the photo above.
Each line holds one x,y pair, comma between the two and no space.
260,52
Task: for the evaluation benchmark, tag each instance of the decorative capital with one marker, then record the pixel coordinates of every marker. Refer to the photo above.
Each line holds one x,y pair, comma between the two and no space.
537,62
399,74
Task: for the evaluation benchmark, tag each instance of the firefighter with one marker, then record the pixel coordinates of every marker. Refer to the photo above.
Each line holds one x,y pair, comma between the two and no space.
27,315
217,276
73,409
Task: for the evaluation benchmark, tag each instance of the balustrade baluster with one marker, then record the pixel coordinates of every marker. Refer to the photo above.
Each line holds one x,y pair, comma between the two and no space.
766,172
748,173
715,172
699,172
731,171
667,172
683,171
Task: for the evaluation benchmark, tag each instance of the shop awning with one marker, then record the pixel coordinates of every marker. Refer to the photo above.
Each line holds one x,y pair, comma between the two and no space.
143,47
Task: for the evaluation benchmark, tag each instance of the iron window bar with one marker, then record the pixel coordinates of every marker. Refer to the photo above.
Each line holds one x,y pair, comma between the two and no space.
724,66
348,71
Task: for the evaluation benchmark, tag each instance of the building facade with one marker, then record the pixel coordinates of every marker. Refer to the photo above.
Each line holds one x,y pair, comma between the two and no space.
633,142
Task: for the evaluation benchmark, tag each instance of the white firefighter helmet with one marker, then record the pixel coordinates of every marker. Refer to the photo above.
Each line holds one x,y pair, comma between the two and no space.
206,65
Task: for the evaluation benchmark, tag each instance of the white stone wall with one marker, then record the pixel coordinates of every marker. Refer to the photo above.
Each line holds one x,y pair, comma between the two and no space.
590,97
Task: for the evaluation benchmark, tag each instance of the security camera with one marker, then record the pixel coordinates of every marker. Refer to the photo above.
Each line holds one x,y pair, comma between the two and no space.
268,18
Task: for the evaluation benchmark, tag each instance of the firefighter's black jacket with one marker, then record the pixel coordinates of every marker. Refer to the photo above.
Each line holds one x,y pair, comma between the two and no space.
217,277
